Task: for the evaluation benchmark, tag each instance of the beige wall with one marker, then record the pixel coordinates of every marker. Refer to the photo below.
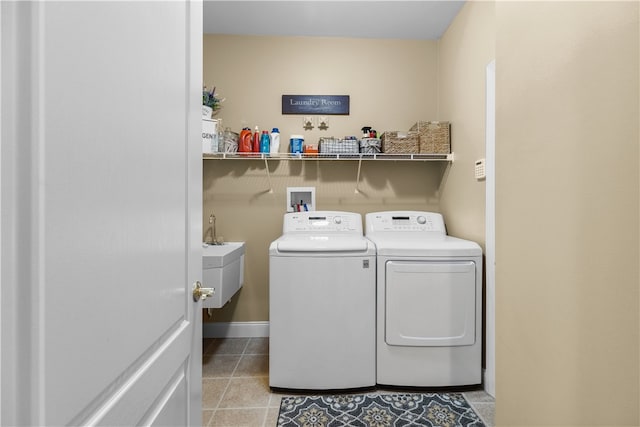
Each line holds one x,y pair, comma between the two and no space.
567,213
464,51
392,84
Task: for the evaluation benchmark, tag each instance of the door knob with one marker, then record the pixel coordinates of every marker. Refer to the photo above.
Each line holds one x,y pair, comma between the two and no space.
200,293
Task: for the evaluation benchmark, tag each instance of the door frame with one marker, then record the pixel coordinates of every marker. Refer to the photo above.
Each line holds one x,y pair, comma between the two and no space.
194,203
490,229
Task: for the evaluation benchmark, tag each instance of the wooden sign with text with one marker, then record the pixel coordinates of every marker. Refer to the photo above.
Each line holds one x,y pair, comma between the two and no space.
315,104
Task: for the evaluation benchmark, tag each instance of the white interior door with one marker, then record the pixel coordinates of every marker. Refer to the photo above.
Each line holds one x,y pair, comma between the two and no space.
101,213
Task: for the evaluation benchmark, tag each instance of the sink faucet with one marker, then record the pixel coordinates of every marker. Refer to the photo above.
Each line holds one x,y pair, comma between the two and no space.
212,220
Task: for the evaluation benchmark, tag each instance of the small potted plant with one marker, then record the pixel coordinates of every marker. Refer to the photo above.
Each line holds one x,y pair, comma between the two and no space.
211,103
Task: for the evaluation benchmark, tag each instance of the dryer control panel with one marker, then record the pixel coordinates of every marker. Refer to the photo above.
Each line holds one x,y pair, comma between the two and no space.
405,221
322,222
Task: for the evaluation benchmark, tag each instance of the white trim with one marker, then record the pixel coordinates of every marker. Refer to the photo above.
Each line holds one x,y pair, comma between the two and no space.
193,180
490,230
235,329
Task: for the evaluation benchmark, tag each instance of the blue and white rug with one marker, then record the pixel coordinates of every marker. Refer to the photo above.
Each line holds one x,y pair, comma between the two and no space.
378,410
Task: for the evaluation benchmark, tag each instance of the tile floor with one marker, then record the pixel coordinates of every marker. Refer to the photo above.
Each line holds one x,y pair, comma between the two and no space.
235,385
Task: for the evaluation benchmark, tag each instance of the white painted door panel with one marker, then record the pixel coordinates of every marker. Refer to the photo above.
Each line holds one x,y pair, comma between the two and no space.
105,143
430,303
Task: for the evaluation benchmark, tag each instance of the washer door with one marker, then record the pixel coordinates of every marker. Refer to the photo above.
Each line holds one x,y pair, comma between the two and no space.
430,303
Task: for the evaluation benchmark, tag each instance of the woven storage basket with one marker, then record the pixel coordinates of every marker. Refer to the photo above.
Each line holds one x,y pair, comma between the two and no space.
400,142
339,146
370,145
434,137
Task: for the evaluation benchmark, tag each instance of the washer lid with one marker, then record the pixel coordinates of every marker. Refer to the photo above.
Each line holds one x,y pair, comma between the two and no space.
321,243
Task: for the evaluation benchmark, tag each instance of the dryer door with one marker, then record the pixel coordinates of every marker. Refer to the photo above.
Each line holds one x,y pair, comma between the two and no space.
430,303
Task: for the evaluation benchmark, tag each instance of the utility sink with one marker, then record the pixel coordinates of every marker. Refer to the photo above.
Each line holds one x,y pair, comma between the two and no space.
222,270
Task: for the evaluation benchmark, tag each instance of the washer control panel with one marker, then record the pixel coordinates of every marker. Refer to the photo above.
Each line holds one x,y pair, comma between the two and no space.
405,221
322,222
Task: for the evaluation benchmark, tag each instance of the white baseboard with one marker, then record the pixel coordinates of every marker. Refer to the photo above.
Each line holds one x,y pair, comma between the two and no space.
235,329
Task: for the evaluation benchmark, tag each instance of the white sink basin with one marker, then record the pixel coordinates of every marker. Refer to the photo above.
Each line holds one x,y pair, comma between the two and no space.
222,270
219,255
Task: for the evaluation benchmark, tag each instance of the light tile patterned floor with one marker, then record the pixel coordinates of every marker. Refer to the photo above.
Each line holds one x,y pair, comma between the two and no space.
235,385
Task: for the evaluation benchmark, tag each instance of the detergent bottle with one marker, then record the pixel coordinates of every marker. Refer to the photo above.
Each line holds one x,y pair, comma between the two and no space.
245,145
264,141
274,147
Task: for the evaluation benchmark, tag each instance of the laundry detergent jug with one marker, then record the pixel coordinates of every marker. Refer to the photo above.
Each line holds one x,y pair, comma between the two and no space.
245,144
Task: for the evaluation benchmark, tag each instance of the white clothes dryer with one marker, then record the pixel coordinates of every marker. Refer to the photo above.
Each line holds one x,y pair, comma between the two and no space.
429,305
322,298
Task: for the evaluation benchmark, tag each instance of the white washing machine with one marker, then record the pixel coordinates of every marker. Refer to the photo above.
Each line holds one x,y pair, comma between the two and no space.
322,298
429,307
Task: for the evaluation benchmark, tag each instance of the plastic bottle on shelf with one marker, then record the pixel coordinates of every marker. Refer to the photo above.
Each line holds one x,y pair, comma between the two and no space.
256,140
264,142
220,140
218,145
275,141
245,145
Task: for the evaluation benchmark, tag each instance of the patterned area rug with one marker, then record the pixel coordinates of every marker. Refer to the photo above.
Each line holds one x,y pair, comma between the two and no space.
378,410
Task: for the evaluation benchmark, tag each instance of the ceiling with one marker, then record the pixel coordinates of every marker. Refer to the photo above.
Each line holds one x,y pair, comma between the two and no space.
421,20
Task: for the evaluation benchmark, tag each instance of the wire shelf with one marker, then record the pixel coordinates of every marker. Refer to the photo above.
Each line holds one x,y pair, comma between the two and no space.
336,156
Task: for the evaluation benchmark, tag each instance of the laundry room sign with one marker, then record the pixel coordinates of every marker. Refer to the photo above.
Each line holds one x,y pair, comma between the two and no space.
315,104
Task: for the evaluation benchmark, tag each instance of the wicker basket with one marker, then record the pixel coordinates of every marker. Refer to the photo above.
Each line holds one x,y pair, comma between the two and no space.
400,142
338,146
434,137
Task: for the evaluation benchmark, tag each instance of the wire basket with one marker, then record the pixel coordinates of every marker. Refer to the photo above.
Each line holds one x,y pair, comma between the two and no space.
339,146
